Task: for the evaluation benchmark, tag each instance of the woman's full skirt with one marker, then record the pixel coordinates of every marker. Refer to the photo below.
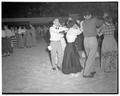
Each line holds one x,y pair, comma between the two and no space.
109,53
71,61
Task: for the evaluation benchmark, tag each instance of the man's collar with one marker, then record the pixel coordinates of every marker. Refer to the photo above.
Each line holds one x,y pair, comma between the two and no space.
54,26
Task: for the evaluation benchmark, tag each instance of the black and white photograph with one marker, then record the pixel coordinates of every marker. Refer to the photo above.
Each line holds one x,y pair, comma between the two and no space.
59,47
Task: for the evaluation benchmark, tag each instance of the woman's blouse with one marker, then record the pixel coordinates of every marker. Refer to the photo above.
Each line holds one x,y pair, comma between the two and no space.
72,34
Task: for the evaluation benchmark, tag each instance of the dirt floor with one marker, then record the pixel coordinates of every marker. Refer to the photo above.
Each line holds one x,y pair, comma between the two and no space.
29,70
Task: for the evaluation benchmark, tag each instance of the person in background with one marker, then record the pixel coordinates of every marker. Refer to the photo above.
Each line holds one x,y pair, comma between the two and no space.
41,32
90,44
28,38
71,63
109,45
33,34
4,42
8,35
21,32
38,34
48,35
13,37
45,28
17,36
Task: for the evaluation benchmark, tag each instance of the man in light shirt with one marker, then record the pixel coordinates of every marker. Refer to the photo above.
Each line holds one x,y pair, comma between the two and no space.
8,34
55,43
21,32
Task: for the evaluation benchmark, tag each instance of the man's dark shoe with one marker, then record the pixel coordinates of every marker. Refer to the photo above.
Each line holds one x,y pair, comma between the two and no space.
88,76
93,73
54,68
59,68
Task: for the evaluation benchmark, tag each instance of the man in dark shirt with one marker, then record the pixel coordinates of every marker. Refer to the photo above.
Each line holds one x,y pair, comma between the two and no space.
90,42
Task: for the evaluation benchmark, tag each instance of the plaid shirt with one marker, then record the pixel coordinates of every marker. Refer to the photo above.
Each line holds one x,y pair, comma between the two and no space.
108,29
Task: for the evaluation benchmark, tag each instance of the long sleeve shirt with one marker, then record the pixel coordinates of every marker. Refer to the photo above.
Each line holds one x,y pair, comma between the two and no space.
55,34
107,29
89,27
72,34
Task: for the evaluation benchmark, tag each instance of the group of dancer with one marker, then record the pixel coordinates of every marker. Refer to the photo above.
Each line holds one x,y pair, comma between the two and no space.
65,56
17,37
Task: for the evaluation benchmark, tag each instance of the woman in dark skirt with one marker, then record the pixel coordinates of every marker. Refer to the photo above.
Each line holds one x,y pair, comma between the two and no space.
79,44
8,47
71,62
79,41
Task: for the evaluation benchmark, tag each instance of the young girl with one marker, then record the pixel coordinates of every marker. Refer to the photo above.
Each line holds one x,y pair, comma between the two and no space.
71,63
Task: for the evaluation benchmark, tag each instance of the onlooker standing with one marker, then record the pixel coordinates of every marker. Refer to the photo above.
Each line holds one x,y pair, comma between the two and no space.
17,36
28,38
4,42
13,38
8,34
21,32
45,28
33,34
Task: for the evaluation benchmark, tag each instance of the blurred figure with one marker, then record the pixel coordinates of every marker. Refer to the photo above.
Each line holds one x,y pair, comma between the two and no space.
21,32
28,38
17,36
33,34
38,34
8,35
41,31
13,38
45,28
4,42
